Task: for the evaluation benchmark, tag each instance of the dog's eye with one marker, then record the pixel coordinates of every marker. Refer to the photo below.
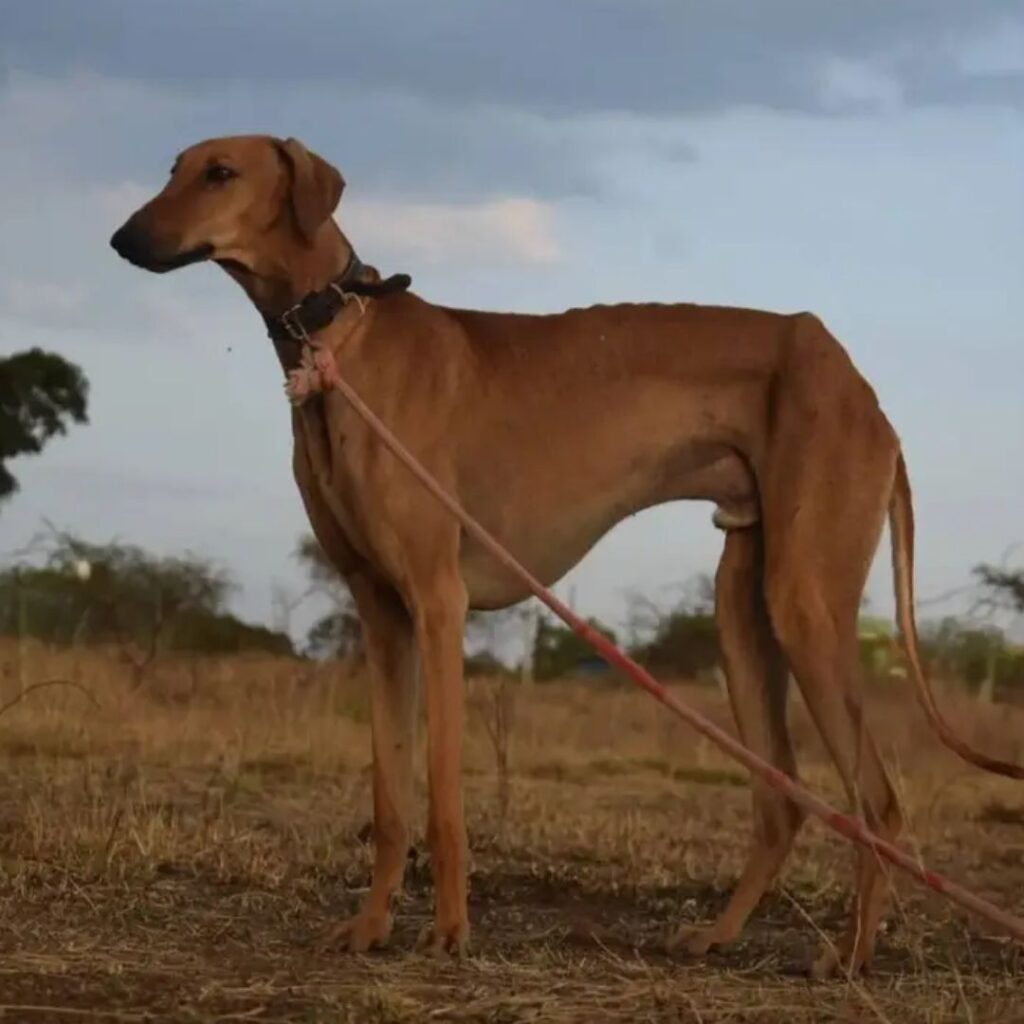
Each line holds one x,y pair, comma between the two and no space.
217,174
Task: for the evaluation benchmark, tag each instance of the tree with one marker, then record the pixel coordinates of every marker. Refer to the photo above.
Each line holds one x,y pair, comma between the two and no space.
682,641
558,651
976,655
120,594
40,393
1001,588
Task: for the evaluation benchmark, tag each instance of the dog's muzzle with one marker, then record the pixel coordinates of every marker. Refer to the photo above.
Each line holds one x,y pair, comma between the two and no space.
132,242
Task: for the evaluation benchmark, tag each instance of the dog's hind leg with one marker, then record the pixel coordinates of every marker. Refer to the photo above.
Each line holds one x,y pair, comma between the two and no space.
757,677
825,503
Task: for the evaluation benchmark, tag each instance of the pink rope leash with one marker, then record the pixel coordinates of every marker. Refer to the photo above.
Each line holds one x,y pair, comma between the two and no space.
850,827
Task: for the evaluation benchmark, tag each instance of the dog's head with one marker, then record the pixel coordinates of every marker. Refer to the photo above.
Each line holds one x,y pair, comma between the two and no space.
230,199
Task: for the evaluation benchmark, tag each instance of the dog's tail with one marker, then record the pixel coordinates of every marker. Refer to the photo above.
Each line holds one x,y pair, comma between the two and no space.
901,527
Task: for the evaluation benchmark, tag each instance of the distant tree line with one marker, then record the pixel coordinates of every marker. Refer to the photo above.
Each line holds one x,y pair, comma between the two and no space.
85,593
681,640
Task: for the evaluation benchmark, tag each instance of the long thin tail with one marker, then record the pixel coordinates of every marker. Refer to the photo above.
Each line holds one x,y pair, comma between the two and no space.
901,527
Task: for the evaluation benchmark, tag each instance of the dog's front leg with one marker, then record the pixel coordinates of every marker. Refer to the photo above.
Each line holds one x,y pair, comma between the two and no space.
389,640
440,614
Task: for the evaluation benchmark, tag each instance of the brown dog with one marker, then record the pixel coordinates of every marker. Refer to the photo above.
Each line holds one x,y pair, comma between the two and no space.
549,430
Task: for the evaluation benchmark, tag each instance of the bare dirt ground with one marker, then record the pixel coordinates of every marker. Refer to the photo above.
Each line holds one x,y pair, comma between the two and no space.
174,854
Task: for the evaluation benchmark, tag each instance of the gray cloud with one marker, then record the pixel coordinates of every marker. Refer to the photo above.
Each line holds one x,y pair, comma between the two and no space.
110,484
99,129
460,100
934,78
573,57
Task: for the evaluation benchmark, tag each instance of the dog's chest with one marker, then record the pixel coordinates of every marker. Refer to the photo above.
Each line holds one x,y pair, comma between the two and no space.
336,485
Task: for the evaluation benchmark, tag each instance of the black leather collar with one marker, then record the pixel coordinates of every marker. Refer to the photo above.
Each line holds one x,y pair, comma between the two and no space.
317,309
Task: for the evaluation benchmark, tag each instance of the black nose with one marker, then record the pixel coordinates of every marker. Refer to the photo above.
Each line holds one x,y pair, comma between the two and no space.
131,242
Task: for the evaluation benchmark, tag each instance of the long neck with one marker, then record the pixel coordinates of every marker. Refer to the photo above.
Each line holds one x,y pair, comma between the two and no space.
293,270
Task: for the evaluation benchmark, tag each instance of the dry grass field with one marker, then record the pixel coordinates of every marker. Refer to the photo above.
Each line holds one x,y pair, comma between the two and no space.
173,854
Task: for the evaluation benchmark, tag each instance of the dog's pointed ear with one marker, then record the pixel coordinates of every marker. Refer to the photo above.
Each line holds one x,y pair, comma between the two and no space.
315,188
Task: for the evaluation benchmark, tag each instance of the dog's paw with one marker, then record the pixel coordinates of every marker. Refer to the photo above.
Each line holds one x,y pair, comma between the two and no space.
451,939
689,940
841,961
366,930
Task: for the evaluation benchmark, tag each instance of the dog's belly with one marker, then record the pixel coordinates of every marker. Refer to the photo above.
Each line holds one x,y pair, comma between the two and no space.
550,528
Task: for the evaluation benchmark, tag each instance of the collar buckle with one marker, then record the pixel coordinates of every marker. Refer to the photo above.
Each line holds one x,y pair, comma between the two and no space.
292,324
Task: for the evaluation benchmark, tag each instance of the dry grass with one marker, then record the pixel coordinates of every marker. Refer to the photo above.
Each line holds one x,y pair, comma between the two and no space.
172,855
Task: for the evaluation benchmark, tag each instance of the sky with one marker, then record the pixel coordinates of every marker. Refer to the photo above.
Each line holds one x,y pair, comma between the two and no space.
862,161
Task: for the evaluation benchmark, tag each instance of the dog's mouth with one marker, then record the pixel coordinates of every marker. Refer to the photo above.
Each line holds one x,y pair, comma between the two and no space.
232,266
183,259
133,245
161,265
